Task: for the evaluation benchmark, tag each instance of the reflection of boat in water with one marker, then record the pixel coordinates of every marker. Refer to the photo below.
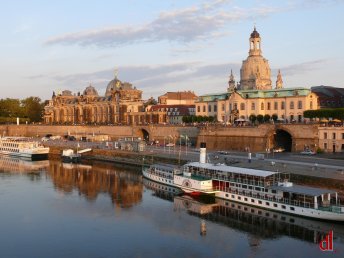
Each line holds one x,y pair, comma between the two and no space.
15,164
161,190
260,188
23,147
258,221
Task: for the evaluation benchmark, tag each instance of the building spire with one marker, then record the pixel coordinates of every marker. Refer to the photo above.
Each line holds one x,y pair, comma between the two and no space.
231,82
279,81
116,72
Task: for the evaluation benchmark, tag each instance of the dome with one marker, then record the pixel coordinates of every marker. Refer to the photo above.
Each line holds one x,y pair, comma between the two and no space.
90,90
255,34
112,85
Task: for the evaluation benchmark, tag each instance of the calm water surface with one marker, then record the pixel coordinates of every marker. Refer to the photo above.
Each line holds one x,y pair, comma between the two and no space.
50,209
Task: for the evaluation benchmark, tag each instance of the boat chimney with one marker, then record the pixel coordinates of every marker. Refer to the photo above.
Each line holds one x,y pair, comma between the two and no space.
202,153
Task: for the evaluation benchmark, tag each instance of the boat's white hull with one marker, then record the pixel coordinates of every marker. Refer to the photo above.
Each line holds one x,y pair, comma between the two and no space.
158,178
300,211
29,154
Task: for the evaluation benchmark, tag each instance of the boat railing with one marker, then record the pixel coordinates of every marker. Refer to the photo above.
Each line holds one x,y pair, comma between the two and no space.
233,180
268,197
332,208
163,175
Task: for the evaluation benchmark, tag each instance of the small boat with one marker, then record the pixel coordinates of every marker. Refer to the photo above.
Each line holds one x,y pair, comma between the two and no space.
70,157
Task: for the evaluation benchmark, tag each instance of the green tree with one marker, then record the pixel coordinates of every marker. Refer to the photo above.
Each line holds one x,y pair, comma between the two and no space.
260,118
33,108
253,118
267,118
274,117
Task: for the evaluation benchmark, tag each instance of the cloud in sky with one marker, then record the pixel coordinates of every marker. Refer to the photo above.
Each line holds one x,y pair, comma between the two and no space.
182,25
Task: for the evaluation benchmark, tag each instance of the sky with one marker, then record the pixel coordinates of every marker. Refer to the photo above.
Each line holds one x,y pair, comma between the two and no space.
161,46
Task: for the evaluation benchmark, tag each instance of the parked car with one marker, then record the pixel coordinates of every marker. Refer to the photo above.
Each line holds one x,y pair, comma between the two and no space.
307,152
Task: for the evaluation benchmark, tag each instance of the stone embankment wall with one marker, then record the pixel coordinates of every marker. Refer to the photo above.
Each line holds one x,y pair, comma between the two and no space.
256,139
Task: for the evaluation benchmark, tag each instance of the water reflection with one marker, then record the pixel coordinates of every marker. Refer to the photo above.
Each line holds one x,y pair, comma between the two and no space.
18,165
258,223
124,186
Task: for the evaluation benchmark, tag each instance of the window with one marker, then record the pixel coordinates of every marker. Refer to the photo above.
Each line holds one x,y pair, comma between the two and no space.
299,119
275,205
276,105
260,202
239,198
283,206
262,106
325,135
203,108
291,104
299,104
325,146
226,195
311,105
209,108
223,107
269,106
230,107
253,106
267,203
233,196
215,108
245,199
252,200
198,109
235,106
242,106
333,136
292,208
282,105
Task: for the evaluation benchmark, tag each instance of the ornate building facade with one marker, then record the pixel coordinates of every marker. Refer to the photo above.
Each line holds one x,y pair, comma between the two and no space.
122,104
254,94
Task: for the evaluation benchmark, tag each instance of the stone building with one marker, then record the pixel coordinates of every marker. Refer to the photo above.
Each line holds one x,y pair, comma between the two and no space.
331,138
254,94
174,113
122,104
178,98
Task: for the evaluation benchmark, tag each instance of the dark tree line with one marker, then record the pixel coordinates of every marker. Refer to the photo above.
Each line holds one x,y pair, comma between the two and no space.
336,113
29,109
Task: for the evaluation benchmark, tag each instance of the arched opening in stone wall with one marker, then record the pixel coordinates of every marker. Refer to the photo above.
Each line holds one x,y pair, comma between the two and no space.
145,135
283,139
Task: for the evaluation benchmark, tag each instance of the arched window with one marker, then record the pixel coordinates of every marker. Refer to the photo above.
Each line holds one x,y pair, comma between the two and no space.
252,44
291,104
257,45
262,106
242,106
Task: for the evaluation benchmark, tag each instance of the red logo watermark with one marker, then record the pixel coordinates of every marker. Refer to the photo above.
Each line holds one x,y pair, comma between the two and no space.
326,243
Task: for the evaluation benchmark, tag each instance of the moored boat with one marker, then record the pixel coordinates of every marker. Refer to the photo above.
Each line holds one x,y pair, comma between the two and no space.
70,157
261,188
23,147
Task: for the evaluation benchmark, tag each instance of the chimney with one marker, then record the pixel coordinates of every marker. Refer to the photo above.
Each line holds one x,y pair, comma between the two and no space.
202,153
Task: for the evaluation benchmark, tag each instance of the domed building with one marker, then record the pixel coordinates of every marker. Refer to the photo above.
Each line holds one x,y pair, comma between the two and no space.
255,71
122,104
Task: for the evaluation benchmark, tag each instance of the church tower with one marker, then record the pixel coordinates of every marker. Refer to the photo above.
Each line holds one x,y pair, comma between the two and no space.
231,83
279,82
255,71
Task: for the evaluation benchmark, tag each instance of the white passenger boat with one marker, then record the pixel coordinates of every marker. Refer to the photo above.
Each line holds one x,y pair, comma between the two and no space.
261,188
23,147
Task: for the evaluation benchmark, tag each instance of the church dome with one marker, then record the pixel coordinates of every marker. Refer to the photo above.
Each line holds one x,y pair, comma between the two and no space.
112,85
255,33
90,91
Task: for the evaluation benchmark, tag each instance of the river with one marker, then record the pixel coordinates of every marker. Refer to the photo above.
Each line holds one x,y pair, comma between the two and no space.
51,209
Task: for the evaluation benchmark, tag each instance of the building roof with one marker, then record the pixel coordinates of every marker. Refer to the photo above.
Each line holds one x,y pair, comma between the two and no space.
300,189
180,110
212,97
331,97
274,93
255,33
179,95
229,169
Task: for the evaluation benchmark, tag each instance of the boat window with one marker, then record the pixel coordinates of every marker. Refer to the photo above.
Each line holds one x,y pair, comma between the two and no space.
292,208
233,196
257,188
274,191
267,203
244,186
245,199
266,190
239,198
283,206
260,202
250,187
252,200
275,205
226,195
